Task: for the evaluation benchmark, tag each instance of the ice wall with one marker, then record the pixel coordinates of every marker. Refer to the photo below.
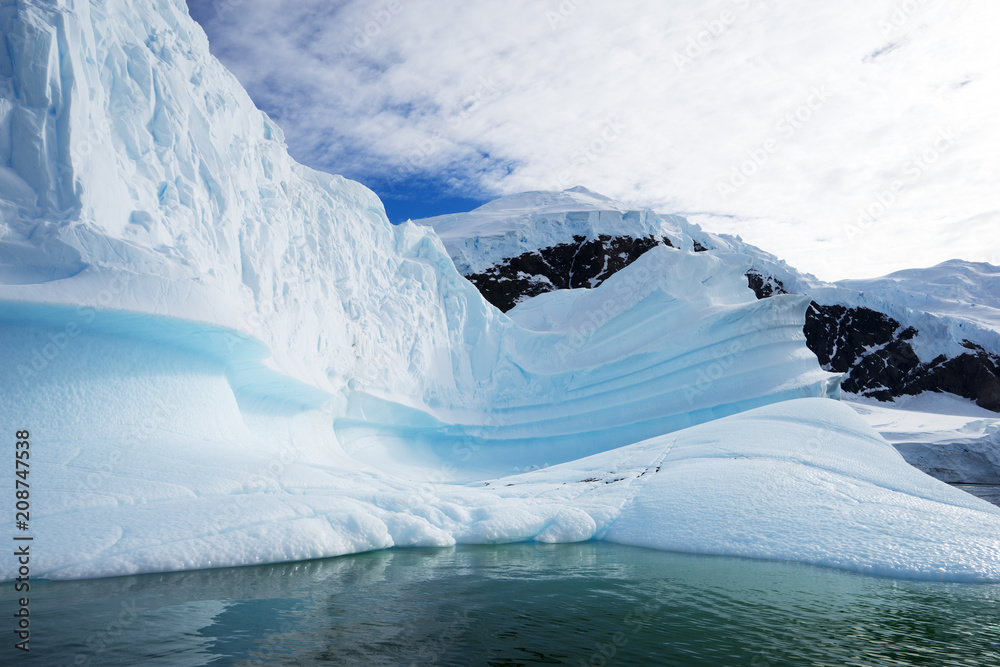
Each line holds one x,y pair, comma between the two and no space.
136,174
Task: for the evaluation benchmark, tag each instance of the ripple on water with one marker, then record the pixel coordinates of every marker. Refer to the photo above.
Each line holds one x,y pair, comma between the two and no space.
522,604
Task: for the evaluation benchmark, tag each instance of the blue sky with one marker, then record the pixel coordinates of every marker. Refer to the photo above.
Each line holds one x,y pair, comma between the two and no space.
407,190
851,139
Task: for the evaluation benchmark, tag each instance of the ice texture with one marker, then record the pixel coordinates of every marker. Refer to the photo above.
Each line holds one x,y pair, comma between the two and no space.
226,358
528,221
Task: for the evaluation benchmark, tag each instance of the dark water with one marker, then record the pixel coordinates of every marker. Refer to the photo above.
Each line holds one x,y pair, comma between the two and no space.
988,492
525,604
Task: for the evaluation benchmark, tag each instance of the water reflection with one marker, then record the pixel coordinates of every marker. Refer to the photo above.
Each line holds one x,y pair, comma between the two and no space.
589,603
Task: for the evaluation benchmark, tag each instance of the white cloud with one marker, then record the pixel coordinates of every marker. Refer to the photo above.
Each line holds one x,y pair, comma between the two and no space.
796,118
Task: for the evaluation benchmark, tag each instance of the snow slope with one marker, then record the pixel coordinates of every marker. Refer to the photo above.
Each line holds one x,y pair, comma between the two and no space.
945,436
223,357
515,224
965,296
947,304
801,480
933,329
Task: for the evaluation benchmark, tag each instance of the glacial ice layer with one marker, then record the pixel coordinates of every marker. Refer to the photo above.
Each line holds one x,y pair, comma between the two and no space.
226,358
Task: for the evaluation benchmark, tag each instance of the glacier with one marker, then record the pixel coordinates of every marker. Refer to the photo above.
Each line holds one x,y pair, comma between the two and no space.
225,358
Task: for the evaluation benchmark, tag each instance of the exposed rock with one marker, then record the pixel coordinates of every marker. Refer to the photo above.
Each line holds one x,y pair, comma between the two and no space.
874,351
583,263
764,286
843,337
972,375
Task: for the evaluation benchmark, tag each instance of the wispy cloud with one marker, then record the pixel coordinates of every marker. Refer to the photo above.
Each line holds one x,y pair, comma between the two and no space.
493,98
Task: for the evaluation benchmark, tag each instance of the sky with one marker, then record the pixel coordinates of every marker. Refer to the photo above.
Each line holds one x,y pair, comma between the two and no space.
850,139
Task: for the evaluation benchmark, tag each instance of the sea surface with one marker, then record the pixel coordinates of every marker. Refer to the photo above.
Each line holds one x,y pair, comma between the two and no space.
523,604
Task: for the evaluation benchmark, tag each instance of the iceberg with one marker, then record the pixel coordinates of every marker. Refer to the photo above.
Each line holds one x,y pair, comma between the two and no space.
223,357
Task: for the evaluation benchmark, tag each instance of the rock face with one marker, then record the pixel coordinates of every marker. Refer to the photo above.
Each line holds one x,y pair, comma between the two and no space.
764,286
583,263
875,353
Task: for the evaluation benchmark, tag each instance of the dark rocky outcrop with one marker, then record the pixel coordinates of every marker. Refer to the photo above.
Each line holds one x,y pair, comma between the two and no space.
874,352
764,286
974,375
841,336
583,263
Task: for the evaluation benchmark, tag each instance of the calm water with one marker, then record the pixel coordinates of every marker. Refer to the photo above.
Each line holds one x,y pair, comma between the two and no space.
525,604
988,492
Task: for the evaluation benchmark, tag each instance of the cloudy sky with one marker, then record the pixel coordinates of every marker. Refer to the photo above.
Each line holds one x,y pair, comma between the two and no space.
850,138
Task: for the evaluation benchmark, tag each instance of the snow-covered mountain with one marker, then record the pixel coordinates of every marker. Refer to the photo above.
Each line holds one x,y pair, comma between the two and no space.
535,242
223,357
934,329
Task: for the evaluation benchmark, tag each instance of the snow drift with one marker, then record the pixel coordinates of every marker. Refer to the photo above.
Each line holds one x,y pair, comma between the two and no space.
224,357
